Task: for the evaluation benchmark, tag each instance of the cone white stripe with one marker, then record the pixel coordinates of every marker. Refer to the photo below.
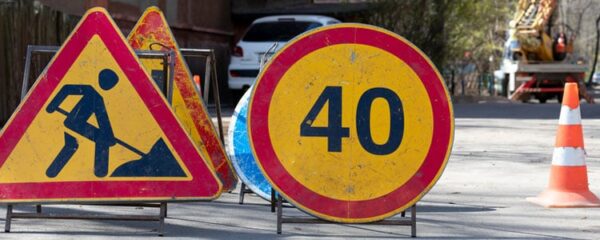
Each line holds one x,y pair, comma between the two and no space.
569,116
568,156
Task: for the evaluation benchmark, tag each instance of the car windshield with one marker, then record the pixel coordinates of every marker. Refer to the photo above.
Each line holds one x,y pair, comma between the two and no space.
278,31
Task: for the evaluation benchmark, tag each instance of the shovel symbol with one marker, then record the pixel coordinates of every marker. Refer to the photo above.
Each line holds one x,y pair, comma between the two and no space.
158,162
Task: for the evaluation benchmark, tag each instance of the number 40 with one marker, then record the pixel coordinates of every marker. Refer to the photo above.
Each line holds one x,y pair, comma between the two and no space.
335,132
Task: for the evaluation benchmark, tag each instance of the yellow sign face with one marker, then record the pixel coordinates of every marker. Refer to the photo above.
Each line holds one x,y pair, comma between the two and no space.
95,127
47,129
365,175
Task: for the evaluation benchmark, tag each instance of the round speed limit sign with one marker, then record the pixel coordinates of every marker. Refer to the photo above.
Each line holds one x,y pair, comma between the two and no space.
351,123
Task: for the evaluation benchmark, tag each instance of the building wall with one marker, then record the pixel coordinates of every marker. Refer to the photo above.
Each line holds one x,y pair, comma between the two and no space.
195,24
22,23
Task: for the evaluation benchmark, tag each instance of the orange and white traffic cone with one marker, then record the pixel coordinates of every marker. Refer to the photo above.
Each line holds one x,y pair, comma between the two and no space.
197,81
568,185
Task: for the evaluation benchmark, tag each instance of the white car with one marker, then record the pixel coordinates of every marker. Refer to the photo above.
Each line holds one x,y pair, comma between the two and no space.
262,34
596,79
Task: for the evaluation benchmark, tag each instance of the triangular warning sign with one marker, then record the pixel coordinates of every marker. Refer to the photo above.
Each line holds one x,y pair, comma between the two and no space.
152,33
95,127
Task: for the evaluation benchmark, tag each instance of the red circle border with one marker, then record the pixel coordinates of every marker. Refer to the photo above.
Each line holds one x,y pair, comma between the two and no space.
394,201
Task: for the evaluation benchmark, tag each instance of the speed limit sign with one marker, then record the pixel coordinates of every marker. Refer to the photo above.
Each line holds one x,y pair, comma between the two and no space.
351,123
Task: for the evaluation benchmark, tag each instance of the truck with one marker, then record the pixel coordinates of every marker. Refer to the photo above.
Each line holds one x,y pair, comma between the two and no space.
534,64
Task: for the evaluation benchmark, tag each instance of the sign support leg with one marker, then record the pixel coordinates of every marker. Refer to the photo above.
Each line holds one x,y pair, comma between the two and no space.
8,220
217,98
412,222
10,215
163,215
243,191
413,219
279,213
272,200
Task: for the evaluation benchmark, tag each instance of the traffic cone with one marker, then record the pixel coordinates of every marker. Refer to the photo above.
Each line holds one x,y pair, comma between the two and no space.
197,81
568,185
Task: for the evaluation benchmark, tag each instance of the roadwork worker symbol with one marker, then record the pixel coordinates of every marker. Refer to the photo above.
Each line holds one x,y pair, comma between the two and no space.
159,162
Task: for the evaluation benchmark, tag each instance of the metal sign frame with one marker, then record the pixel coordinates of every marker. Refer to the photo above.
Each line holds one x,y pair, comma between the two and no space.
10,214
210,74
168,69
112,32
165,55
210,79
412,222
244,189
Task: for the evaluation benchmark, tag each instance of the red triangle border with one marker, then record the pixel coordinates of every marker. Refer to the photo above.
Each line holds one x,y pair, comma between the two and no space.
204,184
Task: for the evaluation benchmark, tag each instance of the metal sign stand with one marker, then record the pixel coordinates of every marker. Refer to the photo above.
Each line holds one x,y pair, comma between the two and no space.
243,191
167,88
10,215
210,78
169,66
210,73
412,222
38,208
274,200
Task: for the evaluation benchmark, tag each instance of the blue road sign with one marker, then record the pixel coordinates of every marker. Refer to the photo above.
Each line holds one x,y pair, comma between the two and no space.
240,152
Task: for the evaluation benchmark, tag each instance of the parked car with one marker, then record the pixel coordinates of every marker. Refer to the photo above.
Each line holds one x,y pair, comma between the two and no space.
262,34
596,79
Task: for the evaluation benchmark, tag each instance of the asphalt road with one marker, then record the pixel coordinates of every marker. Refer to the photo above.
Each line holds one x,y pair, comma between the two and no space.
501,155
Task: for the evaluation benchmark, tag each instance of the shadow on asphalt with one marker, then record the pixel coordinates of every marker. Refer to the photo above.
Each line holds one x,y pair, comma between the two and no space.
452,208
519,110
526,232
199,227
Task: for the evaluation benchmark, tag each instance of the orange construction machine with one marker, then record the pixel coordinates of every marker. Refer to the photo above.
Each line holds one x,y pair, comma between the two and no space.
537,58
